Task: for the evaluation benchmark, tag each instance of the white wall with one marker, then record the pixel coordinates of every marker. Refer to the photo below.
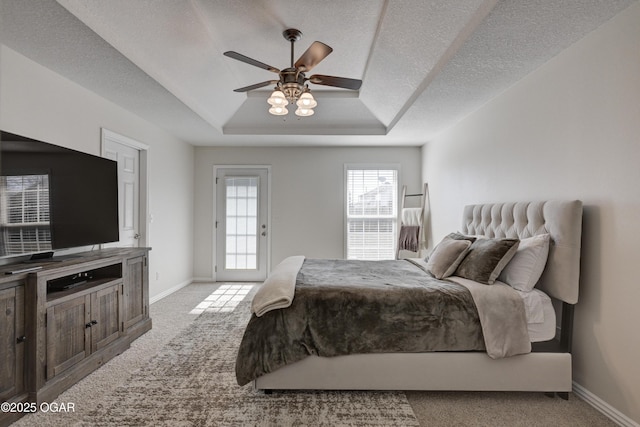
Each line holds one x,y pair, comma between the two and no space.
307,202
569,130
40,104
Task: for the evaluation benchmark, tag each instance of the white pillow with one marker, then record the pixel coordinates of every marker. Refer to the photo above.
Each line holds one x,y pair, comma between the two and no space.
526,266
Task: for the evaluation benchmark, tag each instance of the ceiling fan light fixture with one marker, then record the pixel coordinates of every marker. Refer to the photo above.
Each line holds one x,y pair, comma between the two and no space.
277,99
306,101
278,110
304,112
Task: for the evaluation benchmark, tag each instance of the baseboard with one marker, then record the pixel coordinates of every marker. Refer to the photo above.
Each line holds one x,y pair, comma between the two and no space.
603,407
169,291
203,280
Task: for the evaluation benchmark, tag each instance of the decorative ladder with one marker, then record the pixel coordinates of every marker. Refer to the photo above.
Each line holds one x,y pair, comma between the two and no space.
424,206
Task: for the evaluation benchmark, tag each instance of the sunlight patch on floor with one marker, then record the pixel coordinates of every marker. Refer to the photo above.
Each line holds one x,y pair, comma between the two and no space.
223,300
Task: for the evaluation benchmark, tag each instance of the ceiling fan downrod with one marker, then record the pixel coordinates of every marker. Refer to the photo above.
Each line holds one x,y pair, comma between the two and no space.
293,36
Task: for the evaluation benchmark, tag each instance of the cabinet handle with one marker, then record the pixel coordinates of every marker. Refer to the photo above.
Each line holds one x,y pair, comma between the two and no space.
21,339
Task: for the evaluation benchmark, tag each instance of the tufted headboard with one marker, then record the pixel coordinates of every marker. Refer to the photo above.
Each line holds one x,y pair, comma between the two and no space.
561,219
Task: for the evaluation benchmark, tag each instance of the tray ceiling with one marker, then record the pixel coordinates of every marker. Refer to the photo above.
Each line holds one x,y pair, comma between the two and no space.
424,64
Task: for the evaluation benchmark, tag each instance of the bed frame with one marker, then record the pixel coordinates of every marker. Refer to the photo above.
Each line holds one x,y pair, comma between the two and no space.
547,368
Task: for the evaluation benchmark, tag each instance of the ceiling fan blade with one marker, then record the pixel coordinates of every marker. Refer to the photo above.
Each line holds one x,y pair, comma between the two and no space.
256,86
312,56
342,82
250,61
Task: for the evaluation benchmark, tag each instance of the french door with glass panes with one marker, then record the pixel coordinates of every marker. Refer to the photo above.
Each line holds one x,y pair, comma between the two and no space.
241,223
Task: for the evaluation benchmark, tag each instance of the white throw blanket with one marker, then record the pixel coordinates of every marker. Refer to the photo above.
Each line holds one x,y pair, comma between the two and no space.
279,288
502,317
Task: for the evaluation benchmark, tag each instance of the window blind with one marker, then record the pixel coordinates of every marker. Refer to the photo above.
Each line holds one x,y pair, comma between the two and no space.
371,213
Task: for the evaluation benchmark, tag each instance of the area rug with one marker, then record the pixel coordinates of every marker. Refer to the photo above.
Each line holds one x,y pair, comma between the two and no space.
191,382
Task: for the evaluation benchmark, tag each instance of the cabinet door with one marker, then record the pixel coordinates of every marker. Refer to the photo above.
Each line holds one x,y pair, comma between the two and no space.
68,334
136,284
12,342
105,320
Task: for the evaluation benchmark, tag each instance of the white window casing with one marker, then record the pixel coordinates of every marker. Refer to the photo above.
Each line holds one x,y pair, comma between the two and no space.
371,211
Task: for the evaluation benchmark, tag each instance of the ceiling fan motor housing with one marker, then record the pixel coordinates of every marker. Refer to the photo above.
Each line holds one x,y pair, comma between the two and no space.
292,83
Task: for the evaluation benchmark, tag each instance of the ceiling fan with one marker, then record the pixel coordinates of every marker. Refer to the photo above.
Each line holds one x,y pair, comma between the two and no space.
291,86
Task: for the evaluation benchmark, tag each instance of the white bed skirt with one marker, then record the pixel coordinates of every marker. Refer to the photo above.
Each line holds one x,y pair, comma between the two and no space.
472,371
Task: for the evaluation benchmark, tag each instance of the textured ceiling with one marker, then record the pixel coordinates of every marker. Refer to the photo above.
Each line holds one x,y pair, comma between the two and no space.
424,64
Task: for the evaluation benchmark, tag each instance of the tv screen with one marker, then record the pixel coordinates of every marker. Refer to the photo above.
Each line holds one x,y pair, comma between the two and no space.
53,197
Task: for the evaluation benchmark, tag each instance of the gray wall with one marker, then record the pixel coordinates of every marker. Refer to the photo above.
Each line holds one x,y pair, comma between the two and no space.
570,130
43,105
307,195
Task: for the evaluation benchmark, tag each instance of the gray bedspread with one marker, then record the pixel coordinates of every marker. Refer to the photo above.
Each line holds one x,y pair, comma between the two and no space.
353,307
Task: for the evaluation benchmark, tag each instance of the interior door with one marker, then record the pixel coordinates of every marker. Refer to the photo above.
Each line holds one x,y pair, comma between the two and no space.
241,224
128,159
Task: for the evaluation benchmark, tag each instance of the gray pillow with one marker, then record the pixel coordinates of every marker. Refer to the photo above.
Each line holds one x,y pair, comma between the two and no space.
452,236
446,257
486,259
460,236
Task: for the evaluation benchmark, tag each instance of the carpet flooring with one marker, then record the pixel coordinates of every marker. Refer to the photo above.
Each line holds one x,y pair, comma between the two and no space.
181,374
192,382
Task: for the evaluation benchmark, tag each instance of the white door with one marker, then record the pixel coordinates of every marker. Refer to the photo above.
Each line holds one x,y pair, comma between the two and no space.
241,224
128,159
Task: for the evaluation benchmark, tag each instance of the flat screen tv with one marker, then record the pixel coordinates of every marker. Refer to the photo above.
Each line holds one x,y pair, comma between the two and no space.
53,197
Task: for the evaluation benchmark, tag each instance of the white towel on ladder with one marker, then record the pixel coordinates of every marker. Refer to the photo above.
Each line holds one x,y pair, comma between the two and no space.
411,216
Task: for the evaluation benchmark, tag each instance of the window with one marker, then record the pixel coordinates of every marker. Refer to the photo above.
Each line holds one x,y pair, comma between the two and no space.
371,210
24,214
242,222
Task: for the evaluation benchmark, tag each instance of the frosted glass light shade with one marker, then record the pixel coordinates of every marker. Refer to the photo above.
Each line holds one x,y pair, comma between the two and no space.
277,98
278,110
306,101
304,112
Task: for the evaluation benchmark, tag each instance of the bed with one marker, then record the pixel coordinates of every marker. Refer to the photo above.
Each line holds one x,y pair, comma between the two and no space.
545,367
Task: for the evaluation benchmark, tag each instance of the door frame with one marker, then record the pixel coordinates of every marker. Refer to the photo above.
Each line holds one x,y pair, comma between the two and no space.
143,194
214,260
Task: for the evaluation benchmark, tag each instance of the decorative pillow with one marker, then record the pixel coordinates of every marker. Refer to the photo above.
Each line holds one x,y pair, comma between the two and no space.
460,236
446,257
486,259
526,266
451,236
